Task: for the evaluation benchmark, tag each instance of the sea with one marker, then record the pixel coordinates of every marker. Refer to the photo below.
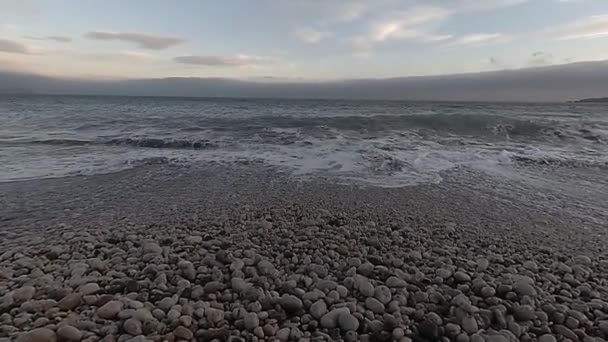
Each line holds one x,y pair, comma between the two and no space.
378,143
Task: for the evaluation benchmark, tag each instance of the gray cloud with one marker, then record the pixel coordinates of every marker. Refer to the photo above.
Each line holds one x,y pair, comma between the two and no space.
222,61
12,46
60,39
144,40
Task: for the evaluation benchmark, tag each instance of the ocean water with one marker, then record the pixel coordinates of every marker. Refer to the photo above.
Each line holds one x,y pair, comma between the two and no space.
374,142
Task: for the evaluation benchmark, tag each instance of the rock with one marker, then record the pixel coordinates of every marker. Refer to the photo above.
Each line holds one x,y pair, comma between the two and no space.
23,294
214,286
462,277
530,265
327,285
193,239
364,286
383,294
524,313
38,335
69,302
547,338
89,289
318,309
239,285
132,327
482,265
565,332
152,248
110,309
283,334
348,322
183,333
251,321
214,316
265,267
497,338
469,324
69,333
394,282
330,319
374,305
603,325
524,288
166,303
429,330
291,303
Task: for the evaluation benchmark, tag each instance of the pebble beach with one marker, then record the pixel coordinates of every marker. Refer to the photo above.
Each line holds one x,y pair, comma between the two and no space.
168,253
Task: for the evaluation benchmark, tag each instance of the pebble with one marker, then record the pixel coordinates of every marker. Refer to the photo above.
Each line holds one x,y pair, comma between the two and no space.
69,333
374,305
547,338
110,309
132,327
291,303
69,302
318,309
23,294
183,333
251,321
38,335
347,322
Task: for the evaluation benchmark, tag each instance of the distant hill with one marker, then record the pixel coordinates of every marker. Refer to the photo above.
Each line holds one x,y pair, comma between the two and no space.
16,91
594,100
559,83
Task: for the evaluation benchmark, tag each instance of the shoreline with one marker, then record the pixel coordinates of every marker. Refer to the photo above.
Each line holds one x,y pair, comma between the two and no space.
182,253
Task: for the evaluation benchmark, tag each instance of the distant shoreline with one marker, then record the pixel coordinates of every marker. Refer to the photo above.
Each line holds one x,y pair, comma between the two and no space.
593,100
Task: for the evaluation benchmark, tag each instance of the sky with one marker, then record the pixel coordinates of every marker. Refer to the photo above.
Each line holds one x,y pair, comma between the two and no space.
296,39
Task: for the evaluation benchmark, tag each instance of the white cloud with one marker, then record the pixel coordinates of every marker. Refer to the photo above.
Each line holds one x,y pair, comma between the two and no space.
59,39
592,27
224,61
12,46
480,38
311,36
144,40
415,25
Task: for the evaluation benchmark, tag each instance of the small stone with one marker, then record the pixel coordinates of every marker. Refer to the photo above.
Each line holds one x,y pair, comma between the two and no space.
524,313
330,319
166,303
239,285
462,277
214,316
348,322
374,305
547,338
193,239
70,333
398,333
497,338
523,288
38,335
530,265
110,309
291,303
383,294
89,289
183,333
318,309
469,324
132,327
452,329
395,282
603,325
429,330
283,334
152,248
482,265
251,321
69,302
23,294
565,332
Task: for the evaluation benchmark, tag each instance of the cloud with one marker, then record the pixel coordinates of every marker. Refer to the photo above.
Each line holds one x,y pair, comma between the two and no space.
412,25
311,36
60,39
11,46
480,38
592,27
223,61
144,40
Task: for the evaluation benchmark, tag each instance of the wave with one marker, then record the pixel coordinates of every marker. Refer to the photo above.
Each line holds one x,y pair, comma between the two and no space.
469,124
141,142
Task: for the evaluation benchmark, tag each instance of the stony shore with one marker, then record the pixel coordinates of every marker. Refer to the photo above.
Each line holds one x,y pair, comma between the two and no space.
280,261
